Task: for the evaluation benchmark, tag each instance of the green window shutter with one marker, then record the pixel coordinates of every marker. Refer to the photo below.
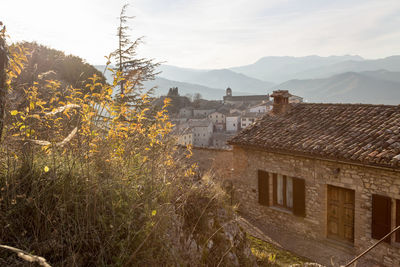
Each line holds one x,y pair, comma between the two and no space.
299,197
263,188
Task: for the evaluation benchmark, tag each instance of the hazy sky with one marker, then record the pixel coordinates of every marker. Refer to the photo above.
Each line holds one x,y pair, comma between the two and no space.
210,33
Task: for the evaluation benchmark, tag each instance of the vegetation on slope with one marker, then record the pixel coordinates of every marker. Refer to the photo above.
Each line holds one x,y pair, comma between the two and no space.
91,180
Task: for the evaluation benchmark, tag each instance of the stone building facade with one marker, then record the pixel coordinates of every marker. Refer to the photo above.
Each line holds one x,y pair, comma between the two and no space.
330,173
319,174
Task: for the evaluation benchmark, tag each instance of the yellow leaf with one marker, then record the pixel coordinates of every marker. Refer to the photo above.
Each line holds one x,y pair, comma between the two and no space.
14,112
46,169
153,213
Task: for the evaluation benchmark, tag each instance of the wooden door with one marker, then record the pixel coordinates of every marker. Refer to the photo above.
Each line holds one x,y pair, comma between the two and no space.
340,213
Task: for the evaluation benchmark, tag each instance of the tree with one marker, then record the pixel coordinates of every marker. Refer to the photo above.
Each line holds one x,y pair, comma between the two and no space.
133,69
3,77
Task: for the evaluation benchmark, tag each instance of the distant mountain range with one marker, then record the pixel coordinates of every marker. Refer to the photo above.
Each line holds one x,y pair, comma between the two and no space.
376,87
280,69
349,79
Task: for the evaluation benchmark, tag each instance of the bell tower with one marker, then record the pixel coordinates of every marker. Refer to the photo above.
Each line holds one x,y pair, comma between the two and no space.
228,91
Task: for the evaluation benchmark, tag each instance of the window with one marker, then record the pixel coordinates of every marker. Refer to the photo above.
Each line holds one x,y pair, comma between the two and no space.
288,192
283,192
381,217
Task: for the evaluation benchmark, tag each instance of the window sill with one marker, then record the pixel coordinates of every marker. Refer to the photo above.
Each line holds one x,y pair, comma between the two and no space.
281,209
343,245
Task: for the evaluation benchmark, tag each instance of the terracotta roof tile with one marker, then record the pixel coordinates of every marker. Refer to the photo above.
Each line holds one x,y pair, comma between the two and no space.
368,134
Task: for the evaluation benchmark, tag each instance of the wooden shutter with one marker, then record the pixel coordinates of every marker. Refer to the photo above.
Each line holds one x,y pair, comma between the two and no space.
263,188
274,183
299,197
381,211
398,219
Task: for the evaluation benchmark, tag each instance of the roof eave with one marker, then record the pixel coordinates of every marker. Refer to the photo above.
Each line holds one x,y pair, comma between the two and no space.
313,156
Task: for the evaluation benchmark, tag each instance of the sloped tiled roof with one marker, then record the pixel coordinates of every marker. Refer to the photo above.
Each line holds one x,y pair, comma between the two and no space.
368,134
199,123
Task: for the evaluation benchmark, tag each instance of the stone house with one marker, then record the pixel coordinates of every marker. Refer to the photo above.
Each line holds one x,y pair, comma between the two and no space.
329,172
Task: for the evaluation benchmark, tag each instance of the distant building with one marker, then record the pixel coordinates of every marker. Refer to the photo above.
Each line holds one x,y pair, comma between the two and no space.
244,99
233,122
295,99
261,107
185,137
218,119
248,119
219,140
202,132
202,113
186,112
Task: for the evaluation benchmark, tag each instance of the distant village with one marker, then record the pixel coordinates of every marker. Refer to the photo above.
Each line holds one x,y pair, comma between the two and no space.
204,123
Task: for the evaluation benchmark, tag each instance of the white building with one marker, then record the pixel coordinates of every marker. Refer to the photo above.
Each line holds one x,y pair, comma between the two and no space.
232,122
261,108
202,132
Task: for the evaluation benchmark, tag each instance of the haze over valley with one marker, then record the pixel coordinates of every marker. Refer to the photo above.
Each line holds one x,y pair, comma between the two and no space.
336,79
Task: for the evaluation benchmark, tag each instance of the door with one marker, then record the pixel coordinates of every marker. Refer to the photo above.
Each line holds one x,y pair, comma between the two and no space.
340,213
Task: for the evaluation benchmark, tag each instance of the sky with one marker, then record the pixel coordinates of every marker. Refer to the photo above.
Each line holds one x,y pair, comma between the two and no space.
210,34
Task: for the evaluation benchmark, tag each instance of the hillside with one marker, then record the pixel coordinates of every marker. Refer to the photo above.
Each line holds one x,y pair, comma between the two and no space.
218,78
224,78
163,85
349,87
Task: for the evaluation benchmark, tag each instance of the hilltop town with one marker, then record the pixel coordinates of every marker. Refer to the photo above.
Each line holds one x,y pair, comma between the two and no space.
205,123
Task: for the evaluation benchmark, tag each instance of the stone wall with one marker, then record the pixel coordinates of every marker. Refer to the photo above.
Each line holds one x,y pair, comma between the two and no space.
317,174
216,161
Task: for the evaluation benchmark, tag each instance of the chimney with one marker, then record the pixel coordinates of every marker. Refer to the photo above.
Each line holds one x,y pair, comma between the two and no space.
281,101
